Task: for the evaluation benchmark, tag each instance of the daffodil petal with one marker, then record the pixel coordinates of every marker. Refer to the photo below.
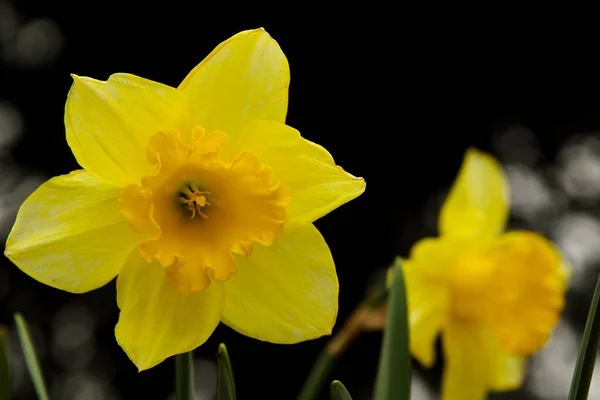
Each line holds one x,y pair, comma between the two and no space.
286,292
156,321
70,235
476,363
467,362
108,123
427,286
435,256
428,302
245,78
508,372
478,203
317,184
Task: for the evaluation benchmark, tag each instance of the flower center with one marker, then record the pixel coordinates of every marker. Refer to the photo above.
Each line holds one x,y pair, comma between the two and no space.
199,210
194,200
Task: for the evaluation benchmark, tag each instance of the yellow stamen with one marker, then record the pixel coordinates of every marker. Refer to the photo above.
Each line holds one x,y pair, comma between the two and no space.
195,201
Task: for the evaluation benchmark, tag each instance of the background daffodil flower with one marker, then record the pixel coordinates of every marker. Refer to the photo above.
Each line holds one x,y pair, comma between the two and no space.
199,198
494,296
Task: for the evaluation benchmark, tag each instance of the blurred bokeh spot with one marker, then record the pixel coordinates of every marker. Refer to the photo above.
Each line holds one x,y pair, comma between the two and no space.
28,43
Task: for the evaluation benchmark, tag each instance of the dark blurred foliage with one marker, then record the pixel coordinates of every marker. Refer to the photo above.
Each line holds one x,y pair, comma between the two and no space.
395,97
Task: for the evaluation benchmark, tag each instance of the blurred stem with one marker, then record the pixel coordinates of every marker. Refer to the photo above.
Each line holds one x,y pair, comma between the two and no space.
353,326
33,365
184,372
318,375
4,365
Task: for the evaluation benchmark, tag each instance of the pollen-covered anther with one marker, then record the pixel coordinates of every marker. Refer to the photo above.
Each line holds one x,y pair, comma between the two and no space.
195,201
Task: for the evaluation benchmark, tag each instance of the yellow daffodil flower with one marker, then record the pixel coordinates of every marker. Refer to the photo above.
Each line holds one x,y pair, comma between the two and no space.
199,198
493,296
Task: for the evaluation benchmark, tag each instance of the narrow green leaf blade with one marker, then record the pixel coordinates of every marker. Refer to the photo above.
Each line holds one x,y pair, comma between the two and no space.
184,376
339,391
584,369
393,375
225,382
318,376
30,358
4,365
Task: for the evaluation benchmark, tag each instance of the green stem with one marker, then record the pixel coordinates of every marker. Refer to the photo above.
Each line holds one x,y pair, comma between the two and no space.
225,381
393,374
584,369
184,373
339,392
30,358
318,375
4,365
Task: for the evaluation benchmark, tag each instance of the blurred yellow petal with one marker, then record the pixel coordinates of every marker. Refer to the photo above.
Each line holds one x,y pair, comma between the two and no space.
245,78
108,123
317,184
156,321
428,294
70,235
508,370
478,203
527,293
467,366
285,293
428,304
435,257
475,363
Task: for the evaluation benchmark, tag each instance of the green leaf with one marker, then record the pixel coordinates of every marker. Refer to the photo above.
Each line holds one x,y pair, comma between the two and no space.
184,376
4,365
318,376
30,358
393,375
354,325
584,369
339,391
225,382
